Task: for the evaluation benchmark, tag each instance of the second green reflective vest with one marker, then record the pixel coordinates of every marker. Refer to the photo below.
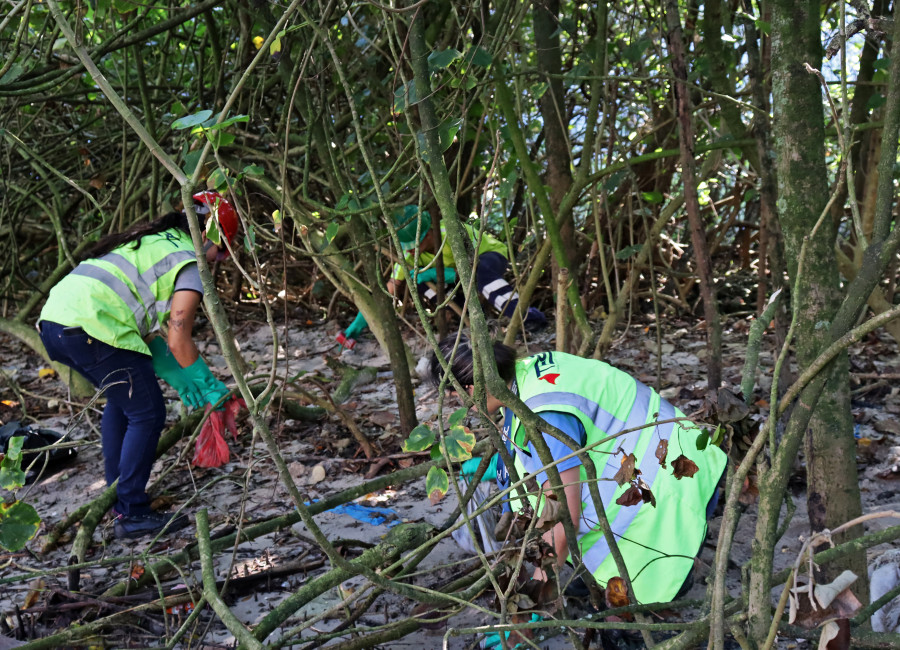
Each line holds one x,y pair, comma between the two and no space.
658,544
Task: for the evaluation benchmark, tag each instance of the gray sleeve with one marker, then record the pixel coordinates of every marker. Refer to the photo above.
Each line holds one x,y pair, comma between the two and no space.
188,279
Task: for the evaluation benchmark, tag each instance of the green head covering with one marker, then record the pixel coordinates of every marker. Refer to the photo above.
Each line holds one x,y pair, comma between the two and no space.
410,221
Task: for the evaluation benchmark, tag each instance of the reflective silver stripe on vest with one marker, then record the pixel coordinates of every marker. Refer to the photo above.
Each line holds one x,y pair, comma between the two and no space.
611,425
144,281
120,288
649,466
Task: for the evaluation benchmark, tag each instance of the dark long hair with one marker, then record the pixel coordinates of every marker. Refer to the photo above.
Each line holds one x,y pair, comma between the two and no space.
134,234
462,366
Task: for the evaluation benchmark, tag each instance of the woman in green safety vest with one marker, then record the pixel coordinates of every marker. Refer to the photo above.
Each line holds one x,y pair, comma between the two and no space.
594,404
104,319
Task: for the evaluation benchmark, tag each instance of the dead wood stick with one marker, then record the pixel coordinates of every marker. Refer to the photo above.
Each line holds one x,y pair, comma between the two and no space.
367,448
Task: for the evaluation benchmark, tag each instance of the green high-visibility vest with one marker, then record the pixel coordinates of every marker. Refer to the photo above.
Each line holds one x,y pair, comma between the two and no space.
123,296
658,543
487,244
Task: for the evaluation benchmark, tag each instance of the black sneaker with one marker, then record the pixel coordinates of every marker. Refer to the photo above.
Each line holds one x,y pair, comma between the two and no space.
131,526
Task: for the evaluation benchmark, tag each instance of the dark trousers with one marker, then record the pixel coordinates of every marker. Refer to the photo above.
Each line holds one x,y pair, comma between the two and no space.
135,411
499,293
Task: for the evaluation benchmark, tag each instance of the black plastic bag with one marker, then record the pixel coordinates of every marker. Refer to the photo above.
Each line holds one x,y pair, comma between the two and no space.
49,461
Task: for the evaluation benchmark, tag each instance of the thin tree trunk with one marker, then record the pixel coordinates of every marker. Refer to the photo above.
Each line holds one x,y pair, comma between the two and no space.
692,203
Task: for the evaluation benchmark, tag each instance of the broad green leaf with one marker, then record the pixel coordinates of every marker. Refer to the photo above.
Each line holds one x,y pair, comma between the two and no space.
447,132
436,484
277,219
189,121
628,251
405,96
877,100
718,436
254,170
653,197
125,6
420,439
19,522
15,71
220,180
190,161
479,56
249,238
342,202
702,440
459,442
457,416
11,475
219,138
440,60
212,232
331,231
228,122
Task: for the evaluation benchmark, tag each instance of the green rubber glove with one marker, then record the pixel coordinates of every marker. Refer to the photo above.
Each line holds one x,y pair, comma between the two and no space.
211,389
467,470
356,327
430,275
169,370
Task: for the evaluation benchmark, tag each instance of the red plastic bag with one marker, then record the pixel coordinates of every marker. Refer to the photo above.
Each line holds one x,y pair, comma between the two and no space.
211,449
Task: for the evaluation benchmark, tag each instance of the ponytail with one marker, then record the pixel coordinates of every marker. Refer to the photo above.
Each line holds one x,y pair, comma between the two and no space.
133,234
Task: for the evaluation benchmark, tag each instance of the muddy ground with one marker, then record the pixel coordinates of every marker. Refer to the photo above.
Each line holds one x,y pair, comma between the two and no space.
324,459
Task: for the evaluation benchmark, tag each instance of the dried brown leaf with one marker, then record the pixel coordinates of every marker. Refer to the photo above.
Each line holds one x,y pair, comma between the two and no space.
662,450
550,514
36,588
631,497
617,593
684,467
626,471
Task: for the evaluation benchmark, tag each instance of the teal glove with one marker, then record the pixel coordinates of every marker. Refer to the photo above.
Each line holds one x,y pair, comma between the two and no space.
492,640
467,470
430,275
356,327
211,389
169,370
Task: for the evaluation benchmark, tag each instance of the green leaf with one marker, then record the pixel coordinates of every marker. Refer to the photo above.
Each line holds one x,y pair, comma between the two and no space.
440,60
277,219
219,180
19,522
219,138
15,71
254,170
877,100
479,56
628,251
190,161
436,484
702,440
331,231
459,442
718,436
212,232
447,131
228,122
420,439
457,416
653,197
11,475
763,26
189,121
125,6
405,96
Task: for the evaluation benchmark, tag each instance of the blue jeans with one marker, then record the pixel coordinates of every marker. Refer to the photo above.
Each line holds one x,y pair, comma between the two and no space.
135,411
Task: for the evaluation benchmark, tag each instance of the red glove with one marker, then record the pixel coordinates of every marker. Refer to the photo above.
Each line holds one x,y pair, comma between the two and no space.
211,449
